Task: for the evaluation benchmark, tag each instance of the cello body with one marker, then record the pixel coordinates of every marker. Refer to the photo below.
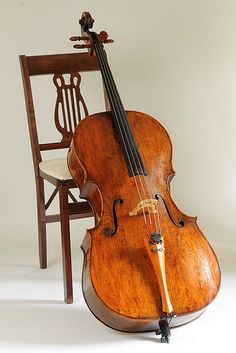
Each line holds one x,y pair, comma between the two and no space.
147,266
119,283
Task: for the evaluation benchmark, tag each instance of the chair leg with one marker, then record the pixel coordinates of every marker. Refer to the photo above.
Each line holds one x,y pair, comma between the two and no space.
41,222
65,241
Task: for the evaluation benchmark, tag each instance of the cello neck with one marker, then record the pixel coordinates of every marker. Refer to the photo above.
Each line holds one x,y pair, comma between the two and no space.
127,141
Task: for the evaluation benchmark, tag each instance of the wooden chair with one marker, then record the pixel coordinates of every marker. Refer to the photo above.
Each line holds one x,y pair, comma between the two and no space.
68,113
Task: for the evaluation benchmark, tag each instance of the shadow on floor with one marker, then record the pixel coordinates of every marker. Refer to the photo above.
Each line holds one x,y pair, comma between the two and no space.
49,322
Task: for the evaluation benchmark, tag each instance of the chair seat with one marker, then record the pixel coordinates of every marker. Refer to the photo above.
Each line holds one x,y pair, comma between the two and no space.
56,168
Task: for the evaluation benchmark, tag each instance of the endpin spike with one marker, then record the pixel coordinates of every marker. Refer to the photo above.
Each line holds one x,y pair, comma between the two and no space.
164,331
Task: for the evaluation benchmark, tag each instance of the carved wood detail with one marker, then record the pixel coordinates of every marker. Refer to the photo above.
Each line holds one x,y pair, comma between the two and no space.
70,106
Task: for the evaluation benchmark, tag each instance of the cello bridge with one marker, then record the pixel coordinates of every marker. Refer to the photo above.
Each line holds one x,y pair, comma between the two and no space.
150,204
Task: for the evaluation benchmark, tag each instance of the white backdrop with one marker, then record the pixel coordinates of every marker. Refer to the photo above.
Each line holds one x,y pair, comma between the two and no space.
175,60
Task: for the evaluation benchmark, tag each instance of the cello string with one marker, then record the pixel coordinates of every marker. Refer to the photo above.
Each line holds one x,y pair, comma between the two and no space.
115,105
118,102
127,131
98,52
146,180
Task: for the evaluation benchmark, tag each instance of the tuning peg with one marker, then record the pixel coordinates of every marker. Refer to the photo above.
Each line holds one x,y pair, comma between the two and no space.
75,38
81,46
107,41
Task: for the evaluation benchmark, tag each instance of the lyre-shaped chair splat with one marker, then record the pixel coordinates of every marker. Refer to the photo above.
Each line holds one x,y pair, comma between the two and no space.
68,105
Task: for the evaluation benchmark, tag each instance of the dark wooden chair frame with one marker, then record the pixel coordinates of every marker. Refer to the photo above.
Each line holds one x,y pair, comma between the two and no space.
51,65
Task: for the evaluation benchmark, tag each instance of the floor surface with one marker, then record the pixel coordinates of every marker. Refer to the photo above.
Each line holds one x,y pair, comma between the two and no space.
34,317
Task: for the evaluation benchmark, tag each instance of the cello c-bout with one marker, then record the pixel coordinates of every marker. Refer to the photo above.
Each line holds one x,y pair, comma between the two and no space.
147,265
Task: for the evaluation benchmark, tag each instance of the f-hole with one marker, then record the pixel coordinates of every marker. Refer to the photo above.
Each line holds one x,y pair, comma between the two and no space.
108,231
180,223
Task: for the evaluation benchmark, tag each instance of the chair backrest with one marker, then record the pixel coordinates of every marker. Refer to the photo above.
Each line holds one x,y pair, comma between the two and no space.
70,106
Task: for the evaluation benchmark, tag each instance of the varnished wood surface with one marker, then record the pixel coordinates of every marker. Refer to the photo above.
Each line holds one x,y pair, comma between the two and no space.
61,63
119,283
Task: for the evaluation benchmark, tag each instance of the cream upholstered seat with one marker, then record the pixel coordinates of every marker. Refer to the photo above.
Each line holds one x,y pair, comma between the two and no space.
56,168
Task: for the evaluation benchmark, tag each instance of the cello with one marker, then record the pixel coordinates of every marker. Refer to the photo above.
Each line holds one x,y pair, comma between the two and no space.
147,266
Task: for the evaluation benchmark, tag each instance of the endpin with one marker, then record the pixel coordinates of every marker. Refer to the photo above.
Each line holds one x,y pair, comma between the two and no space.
164,328
164,331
